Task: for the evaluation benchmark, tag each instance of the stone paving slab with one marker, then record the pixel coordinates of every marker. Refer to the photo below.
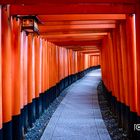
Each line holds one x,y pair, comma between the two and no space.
78,116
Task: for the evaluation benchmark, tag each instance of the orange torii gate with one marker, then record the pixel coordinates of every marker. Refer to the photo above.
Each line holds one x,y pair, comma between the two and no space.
35,69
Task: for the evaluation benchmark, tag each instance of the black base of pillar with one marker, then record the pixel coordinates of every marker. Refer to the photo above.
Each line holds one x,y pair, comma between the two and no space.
119,114
31,113
138,132
70,81
66,82
113,104
57,89
62,85
24,115
126,116
1,134
47,99
133,120
7,131
17,128
37,107
41,96
40,105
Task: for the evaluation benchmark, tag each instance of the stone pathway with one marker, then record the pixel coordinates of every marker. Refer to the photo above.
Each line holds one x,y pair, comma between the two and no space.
78,116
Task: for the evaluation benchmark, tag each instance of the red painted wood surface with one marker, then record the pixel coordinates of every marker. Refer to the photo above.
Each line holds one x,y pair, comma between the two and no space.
31,68
46,9
0,71
131,43
6,66
138,56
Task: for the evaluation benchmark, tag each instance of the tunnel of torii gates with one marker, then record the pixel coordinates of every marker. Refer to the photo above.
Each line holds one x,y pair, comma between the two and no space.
75,36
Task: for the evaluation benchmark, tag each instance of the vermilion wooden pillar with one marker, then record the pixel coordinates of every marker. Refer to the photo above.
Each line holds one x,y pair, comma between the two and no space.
99,59
51,65
56,60
78,61
122,72
81,62
124,49
86,61
0,79
138,56
93,60
75,63
102,64
113,72
6,74
72,65
125,76
55,69
105,65
47,71
63,66
120,64
69,60
17,78
37,67
24,43
50,61
66,63
69,66
89,59
74,57
114,67
44,57
38,49
112,75
43,74
42,69
131,56
110,66
31,80
118,70
137,22
46,68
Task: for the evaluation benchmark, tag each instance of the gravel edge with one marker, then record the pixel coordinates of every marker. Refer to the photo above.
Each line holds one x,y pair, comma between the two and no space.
40,124
108,116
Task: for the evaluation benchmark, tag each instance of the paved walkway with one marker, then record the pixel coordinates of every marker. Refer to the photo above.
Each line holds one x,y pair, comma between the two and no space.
78,116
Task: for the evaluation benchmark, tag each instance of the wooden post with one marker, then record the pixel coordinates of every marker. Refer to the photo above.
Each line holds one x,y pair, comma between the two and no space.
0,76
132,69
17,81
31,80
38,48
138,56
137,22
6,74
125,70
24,43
